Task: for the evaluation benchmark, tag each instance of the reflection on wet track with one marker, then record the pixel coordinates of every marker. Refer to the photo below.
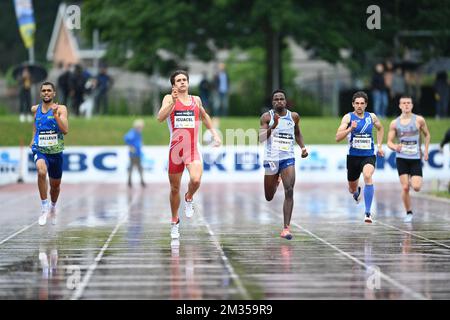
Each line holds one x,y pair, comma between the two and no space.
113,243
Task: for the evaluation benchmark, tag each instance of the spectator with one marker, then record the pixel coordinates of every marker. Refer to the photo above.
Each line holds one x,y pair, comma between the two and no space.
222,86
205,90
379,93
63,83
104,83
441,94
133,138
398,87
77,88
25,95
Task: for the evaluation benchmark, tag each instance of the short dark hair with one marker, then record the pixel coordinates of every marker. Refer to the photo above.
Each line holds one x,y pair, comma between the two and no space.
278,91
360,94
176,73
405,96
48,83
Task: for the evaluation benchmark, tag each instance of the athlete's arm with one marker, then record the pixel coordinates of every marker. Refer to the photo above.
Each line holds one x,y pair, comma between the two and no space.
206,119
167,106
380,134
298,134
265,130
60,114
33,111
391,137
426,133
344,128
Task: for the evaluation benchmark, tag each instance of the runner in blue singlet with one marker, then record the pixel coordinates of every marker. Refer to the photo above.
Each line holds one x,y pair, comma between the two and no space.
47,145
357,127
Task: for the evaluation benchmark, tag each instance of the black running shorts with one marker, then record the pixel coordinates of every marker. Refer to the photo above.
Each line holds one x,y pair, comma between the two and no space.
412,167
356,164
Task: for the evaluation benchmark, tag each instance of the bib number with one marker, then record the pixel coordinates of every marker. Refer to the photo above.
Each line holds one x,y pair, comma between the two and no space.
409,147
282,142
48,140
184,119
362,143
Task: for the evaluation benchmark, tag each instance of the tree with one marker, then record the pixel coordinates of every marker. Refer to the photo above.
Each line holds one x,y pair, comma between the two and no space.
12,49
137,32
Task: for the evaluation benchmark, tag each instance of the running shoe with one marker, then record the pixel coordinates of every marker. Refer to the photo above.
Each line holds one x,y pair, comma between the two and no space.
357,195
286,234
174,230
408,218
43,217
368,218
188,207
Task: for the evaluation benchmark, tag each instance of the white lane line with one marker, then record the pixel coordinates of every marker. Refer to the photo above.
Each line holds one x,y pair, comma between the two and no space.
404,288
80,288
242,290
32,224
413,234
17,233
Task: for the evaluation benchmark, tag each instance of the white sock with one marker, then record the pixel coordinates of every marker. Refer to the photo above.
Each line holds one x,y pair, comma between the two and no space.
44,204
53,204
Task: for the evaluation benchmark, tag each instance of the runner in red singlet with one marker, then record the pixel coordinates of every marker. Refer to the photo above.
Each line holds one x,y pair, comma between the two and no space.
184,113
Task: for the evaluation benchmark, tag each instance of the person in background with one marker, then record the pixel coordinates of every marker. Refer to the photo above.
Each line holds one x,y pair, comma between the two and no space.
441,94
133,138
25,95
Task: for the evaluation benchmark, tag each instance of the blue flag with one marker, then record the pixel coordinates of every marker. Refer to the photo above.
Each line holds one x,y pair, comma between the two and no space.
25,20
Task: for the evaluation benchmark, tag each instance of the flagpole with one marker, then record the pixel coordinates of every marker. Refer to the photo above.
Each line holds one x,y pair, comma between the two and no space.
31,55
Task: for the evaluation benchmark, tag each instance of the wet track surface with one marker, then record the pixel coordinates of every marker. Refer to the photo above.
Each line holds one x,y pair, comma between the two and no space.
113,243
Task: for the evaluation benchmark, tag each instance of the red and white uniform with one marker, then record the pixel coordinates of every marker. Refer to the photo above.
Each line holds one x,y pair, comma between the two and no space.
183,122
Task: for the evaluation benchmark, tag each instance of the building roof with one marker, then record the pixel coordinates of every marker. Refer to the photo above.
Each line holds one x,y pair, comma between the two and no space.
65,38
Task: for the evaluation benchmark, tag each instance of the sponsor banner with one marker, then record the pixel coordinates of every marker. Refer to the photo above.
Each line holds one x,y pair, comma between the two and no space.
225,164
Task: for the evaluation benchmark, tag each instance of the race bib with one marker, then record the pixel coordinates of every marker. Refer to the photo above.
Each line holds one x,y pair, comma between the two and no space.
409,147
363,143
47,139
283,142
184,119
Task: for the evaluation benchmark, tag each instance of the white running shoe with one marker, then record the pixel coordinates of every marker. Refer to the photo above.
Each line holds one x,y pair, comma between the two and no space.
43,218
189,208
368,218
408,218
52,214
174,230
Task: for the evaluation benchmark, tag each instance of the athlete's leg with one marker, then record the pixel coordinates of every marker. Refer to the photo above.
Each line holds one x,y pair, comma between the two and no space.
353,173
368,171
175,181
270,185
195,169
41,167
404,181
288,178
416,183
353,186
54,189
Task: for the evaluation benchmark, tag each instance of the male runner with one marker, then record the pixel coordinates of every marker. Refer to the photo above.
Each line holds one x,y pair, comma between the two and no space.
183,113
47,145
406,129
357,127
279,128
